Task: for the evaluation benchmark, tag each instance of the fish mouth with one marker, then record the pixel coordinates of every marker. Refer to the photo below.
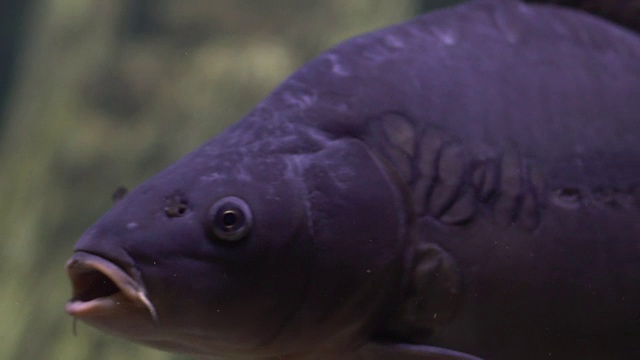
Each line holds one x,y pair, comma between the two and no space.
101,288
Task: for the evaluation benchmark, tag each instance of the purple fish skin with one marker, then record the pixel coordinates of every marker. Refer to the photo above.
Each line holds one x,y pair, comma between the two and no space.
623,12
463,185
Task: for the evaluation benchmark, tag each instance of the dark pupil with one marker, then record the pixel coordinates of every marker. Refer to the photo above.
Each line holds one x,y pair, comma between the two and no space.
230,219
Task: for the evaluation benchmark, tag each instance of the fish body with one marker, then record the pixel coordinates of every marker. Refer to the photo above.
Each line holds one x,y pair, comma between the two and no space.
464,185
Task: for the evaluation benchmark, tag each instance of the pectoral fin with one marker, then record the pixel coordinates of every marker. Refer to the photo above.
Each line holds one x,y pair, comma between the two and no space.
386,351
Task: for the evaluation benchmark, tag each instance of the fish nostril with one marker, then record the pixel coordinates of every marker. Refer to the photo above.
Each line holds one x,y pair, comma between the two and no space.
92,284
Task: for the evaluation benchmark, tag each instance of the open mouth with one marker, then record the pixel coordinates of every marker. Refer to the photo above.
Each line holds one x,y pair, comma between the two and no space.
100,287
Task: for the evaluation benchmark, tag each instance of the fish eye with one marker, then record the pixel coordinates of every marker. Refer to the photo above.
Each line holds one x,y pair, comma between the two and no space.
231,218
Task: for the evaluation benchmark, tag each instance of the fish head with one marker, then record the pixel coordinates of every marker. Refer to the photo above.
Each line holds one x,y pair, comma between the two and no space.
197,251
243,253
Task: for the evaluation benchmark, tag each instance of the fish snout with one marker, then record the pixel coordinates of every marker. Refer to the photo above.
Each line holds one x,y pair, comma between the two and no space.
103,292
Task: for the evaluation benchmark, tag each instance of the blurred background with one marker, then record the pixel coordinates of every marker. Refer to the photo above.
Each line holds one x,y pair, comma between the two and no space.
96,94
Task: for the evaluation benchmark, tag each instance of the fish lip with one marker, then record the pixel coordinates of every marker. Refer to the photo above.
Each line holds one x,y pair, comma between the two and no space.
86,271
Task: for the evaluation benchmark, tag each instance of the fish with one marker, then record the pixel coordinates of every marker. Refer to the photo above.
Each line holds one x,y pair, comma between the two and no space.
464,185
623,12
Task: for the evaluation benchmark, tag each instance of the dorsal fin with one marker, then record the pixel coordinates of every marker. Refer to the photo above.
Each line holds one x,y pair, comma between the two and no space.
623,12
